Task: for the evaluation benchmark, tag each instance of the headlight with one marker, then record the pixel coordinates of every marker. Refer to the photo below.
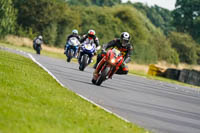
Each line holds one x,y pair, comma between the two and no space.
112,60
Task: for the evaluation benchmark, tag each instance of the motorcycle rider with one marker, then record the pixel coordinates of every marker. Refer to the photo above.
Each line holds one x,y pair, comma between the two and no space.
74,34
123,45
38,41
91,38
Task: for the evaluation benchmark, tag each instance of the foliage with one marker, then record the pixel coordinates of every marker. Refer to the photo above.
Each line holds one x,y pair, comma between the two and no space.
198,54
185,46
94,2
7,17
55,19
164,49
159,16
144,53
187,17
46,17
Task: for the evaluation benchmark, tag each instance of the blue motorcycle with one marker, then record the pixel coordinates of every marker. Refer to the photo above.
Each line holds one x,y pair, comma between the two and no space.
86,53
72,48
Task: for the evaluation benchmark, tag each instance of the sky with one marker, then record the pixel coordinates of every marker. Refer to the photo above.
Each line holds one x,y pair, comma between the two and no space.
168,4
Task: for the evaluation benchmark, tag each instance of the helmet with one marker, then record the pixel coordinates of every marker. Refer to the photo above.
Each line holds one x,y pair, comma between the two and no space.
75,31
40,37
124,38
91,34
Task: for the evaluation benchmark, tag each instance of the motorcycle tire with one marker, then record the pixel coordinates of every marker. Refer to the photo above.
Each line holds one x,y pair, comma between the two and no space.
38,50
93,81
81,68
102,77
69,55
84,62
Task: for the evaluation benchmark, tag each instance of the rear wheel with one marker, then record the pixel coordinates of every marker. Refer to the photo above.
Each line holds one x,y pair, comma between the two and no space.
102,76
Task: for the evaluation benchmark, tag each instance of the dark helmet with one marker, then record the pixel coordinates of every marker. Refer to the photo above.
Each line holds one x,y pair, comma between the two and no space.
124,38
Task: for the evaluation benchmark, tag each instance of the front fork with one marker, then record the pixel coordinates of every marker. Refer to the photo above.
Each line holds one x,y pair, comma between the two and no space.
75,49
100,67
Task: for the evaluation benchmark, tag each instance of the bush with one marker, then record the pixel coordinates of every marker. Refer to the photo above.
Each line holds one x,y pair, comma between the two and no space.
185,47
7,17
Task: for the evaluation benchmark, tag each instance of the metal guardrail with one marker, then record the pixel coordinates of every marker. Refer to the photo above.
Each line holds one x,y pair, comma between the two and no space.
190,77
185,75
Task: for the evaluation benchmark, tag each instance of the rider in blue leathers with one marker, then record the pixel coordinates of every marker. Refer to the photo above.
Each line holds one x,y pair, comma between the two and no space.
74,34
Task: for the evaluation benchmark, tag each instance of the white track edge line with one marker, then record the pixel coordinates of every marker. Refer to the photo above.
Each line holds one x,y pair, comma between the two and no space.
34,60
45,69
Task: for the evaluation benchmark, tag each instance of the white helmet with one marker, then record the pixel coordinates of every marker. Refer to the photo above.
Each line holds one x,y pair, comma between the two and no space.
75,31
40,37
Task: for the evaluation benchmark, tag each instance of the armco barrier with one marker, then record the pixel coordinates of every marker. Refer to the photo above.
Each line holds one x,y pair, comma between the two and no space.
172,73
190,77
185,75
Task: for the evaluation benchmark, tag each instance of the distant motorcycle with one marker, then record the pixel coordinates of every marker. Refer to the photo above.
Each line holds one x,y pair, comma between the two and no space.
87,52
72,48
108,66
37,45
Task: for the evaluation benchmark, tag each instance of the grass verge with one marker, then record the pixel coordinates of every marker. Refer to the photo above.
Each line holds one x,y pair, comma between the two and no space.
28,48
32,101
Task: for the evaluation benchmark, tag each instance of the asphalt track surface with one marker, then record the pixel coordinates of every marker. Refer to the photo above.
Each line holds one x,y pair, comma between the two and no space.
158,106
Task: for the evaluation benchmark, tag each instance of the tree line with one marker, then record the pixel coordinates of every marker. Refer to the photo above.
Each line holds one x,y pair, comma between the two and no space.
155,32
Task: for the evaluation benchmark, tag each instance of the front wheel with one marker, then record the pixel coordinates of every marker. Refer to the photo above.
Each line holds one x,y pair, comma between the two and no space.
38,49
84,62
102,76
69,55
93,81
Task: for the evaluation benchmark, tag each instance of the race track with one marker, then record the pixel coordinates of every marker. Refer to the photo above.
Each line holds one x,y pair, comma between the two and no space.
158,106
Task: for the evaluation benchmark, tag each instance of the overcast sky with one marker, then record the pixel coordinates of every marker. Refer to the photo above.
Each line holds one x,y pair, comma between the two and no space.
169,4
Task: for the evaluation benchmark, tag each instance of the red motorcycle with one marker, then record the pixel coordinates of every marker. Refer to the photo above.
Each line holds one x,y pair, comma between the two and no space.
108,66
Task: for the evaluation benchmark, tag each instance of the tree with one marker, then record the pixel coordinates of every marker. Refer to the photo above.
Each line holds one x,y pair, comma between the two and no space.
94,2
185,46
186,17
160,17
106,2
164,50
51,18
7,17
78,2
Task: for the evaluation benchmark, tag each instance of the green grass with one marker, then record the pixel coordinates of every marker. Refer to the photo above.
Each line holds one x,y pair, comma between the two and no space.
31,101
